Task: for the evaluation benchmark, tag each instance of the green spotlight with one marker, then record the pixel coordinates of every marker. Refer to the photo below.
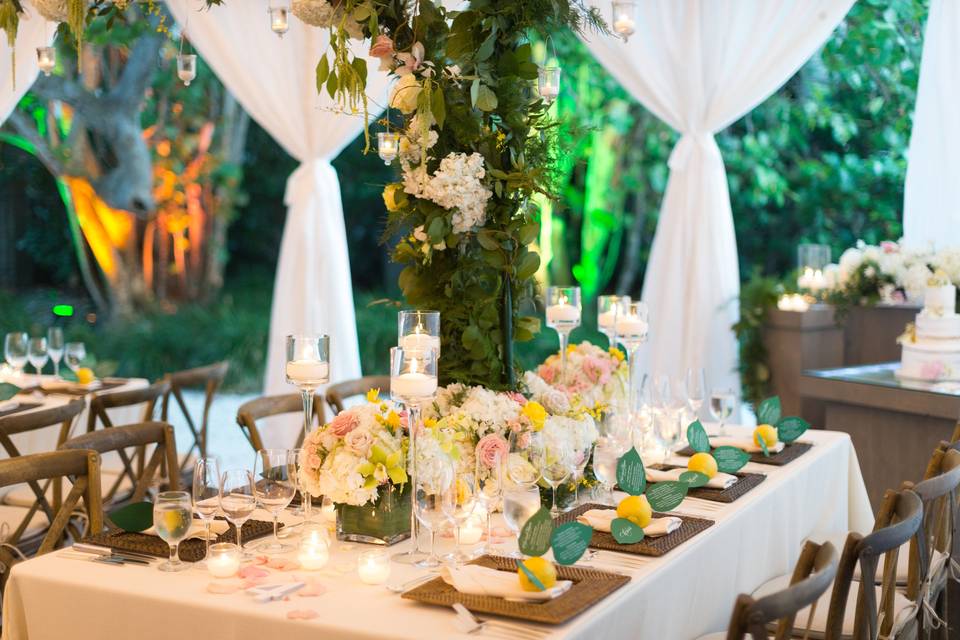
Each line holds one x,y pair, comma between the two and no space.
63,310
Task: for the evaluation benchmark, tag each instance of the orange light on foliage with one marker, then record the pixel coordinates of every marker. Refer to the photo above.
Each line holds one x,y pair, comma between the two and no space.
106,229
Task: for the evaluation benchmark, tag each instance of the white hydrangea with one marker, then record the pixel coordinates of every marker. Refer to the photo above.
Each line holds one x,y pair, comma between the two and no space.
457,185
849,262
915,281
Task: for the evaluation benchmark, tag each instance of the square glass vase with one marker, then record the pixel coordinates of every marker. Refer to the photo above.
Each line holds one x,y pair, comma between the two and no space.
386,521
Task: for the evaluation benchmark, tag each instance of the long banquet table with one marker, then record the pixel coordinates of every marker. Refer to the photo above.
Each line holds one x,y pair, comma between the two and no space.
687,592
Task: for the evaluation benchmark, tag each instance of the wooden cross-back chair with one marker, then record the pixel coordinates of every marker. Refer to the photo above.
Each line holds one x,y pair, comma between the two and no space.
64,415
209,378
83,468
269,406
340,392
144,434
811,578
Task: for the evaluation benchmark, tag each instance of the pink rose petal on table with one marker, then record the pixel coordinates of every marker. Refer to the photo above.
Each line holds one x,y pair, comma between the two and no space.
260,560
223,588
312,590
253,582
283,564
252,572
302,614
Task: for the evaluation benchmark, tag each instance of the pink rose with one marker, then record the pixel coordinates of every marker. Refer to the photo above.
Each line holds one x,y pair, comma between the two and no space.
382,47
547,372
359,441
491,447
314,461
344,423
517,397
889,247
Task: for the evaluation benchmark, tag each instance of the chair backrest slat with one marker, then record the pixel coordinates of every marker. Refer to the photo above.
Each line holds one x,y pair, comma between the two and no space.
269,406
338,393
63,415
101,402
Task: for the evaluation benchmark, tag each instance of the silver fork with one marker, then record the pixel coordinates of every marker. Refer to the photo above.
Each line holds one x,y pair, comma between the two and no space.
469,623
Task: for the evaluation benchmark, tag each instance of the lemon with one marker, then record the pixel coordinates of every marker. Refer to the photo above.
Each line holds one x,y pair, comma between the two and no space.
636,509
704,463
767,432
85,375
542,569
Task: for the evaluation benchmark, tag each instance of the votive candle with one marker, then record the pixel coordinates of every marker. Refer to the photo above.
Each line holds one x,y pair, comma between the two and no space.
223,560
373,567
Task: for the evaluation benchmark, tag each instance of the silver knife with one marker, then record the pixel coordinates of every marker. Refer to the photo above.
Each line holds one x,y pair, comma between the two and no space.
130,556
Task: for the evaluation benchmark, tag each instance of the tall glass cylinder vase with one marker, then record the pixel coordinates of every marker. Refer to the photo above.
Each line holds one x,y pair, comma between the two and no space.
308,367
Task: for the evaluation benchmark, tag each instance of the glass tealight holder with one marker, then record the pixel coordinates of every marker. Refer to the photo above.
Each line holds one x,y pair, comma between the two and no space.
187,67
314,550
418,330
563,316
812,261
548,83
279,20
609,308
46,59
223,560
388,146
625,18
373,567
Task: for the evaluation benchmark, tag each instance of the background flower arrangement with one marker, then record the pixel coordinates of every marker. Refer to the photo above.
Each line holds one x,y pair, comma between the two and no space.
595,380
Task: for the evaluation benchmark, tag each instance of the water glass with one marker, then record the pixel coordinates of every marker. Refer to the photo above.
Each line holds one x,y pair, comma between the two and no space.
695,386
237,498
37,355
74,354
526,459
15,346
488,478
172,517
722,404
606,455
464,503
55,348
519,505
206,495
274,486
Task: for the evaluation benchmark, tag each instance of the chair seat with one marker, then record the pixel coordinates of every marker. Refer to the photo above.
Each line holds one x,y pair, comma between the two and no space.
11,517
717,635
22,495
903,560
901,607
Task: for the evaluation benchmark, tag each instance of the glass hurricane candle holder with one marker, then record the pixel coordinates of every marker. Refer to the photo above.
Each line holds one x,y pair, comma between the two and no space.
548,83
812,260
418,330
279,20
314,550
187,67
563,316
373,567
223,560
388,146
46,59
609,308
625,19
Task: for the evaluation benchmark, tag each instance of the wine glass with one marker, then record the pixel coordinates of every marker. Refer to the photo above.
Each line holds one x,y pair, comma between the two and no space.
606,454
434,499
15,350
74,354
55,348
563,316
308,367
488,479
172,517
722,402
463,505
557,468
274,485
37,354
237,498
299,456
525,459
608,309
206,494
418,330
581,457
695,385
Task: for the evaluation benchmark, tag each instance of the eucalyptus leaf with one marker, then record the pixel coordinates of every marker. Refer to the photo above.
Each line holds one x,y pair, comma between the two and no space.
569,541
762,443
769,411
323,72
697,437
665,496
730,459
625,531
791,428
631,476
536,533
133,518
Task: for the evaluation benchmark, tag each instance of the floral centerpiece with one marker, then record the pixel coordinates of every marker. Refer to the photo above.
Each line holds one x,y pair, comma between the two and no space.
358,460
595,380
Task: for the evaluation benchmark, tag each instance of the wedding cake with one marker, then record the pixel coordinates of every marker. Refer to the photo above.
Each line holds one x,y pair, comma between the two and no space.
931,345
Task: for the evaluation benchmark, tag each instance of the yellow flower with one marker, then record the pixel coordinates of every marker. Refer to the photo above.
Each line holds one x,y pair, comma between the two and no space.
571,348
616,353
536,413
394,197
405,94
373,395
430,423
393,420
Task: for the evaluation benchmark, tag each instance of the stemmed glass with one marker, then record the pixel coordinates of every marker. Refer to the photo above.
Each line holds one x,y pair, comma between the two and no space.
37,354
237,498
274,485
464,503
609,309
172,517
15,350
557,467
308,368
434,499
563,316
581,457
74,354
722,403
55,348
418,330
521,495
632,329
206,494
488,479
695,385
606,454
413,380
299,457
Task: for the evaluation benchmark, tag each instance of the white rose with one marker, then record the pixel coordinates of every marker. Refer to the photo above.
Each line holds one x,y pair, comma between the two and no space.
405,93
359,441
849,262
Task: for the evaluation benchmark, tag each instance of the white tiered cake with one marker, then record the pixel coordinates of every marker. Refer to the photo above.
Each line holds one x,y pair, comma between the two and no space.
931,347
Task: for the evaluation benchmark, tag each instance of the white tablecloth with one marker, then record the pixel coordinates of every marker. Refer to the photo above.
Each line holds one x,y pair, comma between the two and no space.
688,592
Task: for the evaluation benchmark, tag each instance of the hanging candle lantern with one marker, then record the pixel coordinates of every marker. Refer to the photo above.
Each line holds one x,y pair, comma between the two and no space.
279,20
388,145
187,67
548,83
625,18
46,59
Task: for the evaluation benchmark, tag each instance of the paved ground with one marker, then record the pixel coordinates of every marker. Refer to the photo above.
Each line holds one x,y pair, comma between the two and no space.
226,441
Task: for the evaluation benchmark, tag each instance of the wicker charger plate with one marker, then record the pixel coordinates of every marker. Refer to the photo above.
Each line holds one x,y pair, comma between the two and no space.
21,406
190,550
790,453
105,385
745,482
648,546
590,586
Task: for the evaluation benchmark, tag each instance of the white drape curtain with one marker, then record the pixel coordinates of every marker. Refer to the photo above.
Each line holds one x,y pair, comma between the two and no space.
931,203
33,32
699,65
274,80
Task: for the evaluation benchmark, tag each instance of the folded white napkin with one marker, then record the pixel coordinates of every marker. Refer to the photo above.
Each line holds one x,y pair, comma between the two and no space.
718,481
600,520
55,385
482,581
197,530
9,405
747,444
